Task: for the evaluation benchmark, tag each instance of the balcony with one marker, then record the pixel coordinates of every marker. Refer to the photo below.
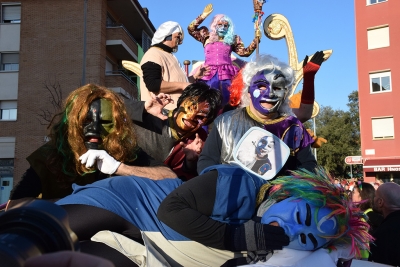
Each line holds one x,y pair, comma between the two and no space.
121,83
120,43
131,15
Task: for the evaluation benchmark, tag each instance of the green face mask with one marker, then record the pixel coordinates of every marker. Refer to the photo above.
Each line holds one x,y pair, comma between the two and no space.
98,123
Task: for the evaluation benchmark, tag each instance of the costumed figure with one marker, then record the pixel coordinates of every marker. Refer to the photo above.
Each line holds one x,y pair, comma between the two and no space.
301,103
318,216
214,219
176,139
219,42
93,127
161,70
264,85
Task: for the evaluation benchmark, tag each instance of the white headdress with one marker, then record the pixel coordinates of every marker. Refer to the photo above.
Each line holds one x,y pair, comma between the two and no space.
166,29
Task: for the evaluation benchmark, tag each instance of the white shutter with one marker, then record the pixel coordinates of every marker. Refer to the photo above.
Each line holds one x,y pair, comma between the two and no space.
11,12
383,128
9,58
5,104
378,38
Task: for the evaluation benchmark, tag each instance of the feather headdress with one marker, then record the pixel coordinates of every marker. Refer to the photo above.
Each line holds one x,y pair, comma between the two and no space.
319,190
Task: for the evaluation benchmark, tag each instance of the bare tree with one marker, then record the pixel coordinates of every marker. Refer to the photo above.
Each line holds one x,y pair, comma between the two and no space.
55,98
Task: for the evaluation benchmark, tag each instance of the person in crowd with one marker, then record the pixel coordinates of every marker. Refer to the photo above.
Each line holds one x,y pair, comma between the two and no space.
267,82
219,42
385,249
161,70
93,127
176,139
377,183
364,193
224,216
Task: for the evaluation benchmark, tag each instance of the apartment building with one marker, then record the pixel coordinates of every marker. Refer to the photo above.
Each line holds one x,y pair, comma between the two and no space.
49,48
378,63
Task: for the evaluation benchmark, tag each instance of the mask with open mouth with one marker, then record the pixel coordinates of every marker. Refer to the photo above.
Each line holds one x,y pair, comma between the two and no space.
98,123
267,91
191,115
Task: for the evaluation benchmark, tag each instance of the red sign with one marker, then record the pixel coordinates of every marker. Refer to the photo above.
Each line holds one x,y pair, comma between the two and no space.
353,160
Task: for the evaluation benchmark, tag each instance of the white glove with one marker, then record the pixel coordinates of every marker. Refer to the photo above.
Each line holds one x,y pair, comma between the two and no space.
105,163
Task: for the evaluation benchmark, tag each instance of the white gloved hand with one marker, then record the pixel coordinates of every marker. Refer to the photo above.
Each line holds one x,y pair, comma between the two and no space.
105,163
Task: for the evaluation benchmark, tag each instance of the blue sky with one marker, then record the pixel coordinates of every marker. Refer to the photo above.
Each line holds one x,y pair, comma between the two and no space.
316,25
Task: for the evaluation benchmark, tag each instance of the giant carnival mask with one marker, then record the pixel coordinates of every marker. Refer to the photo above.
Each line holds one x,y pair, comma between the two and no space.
267,91
98,123
191,115
306,225
222,28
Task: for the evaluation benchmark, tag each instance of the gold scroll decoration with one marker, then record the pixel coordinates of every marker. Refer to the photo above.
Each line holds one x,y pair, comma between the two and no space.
276,27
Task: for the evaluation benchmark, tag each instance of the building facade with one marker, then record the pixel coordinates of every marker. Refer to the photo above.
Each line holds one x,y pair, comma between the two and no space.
49,48
378,63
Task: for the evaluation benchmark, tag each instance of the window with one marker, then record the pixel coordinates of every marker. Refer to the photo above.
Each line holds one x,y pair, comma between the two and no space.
146,42
10,13
109,66
371,2
9,61
378,37
8,110
380,82
110,21
382,128
6,164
